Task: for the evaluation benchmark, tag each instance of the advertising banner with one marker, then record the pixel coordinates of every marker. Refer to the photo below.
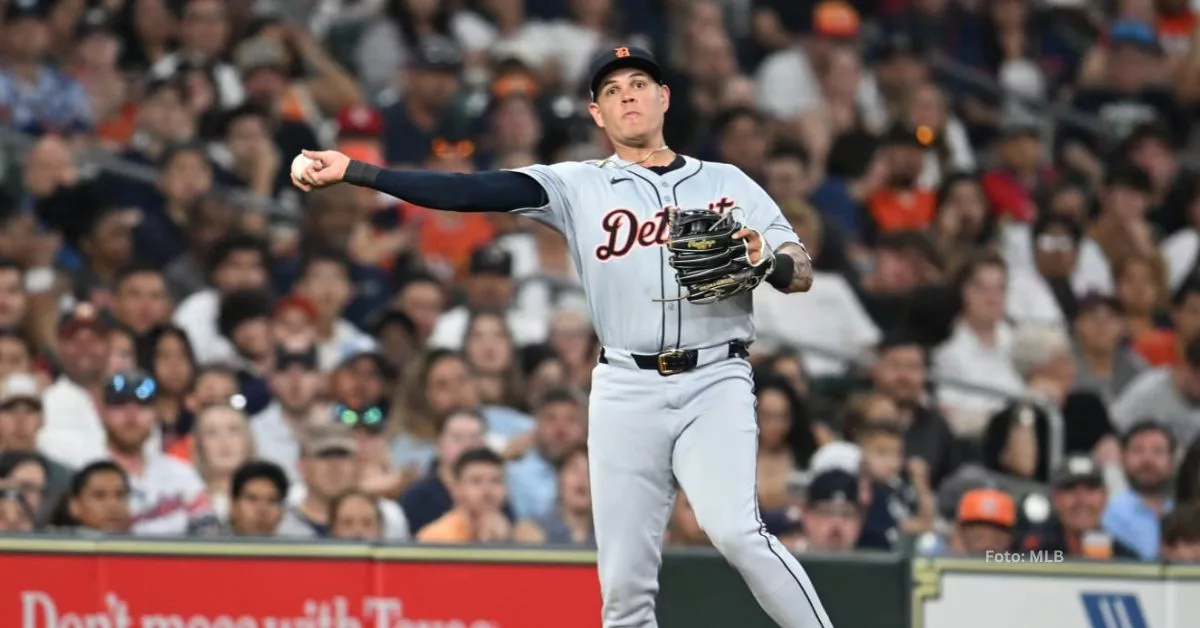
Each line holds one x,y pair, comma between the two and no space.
956,593
233,587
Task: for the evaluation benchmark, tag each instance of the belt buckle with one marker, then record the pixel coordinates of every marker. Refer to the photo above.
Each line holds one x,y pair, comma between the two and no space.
664,358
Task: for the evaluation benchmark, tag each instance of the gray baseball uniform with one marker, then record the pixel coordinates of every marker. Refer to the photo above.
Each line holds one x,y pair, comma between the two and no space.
696,428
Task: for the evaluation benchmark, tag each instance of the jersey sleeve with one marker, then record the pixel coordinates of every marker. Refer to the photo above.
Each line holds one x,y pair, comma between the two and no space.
762,213
561,182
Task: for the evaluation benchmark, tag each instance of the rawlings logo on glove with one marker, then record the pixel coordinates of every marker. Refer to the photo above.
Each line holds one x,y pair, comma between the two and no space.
712,257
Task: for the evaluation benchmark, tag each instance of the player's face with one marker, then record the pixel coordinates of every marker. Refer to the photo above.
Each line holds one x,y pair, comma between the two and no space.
630,107
980,538
833,527
481,489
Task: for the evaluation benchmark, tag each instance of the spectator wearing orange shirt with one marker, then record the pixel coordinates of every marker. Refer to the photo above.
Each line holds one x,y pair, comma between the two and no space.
1141,288
479,492
445,240
902,205
1162,347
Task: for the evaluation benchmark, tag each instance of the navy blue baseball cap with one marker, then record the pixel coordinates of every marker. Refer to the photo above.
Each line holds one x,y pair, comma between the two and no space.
623,57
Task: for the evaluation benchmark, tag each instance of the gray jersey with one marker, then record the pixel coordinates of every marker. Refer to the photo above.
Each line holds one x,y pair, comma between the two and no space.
613,215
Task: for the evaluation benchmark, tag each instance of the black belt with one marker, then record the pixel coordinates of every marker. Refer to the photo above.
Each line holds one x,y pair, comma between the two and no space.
676,361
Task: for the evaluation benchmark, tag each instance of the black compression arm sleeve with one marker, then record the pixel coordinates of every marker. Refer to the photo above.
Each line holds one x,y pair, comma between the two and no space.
494,191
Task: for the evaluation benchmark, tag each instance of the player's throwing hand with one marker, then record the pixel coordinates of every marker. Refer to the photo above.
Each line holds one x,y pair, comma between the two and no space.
326,168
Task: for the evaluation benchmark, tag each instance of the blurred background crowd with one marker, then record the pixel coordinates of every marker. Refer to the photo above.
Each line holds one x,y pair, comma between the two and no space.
1001,349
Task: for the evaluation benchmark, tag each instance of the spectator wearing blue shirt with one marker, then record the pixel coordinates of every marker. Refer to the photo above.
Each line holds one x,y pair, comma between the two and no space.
1132,517
35,97
533,478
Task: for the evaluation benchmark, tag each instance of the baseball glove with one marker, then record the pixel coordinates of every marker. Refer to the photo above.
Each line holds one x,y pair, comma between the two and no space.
709,263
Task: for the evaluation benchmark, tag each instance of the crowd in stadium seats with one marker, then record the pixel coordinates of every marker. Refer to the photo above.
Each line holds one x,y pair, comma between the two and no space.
1000,352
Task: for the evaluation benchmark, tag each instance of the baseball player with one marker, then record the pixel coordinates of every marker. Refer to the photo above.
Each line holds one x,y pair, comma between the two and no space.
668,248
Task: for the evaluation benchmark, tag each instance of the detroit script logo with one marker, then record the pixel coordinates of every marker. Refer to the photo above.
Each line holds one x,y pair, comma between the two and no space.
624,230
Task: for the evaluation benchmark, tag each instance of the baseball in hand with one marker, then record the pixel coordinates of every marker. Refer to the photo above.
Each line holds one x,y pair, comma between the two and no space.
299,165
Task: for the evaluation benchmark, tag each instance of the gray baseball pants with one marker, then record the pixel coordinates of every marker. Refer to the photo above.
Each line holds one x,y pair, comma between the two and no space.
645,433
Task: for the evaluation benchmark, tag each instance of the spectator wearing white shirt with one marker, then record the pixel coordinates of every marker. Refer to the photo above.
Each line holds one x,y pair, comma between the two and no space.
488,286
1043,293
73,433
237,262
834,317
978,351
165,491
788,88
324,280
295,384
1181,251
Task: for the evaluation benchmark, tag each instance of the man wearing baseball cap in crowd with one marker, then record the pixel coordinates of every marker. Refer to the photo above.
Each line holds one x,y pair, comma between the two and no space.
833,517
166,492
294,384
1078,498
986,517
431,83
329,467
20,422
72,433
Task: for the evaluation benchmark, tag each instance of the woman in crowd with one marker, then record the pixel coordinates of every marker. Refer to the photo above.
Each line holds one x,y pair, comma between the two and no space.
122,354
571,522
166,353
355,516
491,355
29,474
785,439
221,443
542,370
439,382
964,222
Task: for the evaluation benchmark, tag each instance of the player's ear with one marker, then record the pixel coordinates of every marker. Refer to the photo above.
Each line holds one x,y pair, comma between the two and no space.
594,109
664,93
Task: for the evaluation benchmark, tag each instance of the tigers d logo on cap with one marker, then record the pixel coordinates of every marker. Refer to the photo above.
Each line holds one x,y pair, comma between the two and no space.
621,52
